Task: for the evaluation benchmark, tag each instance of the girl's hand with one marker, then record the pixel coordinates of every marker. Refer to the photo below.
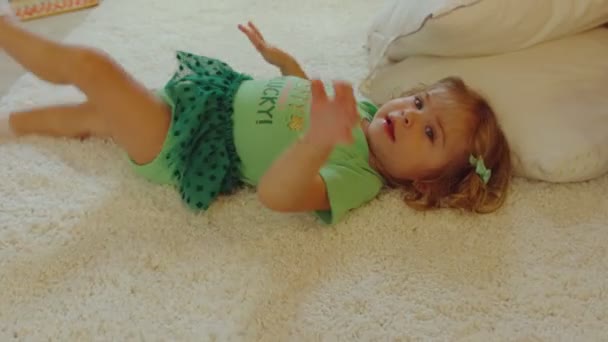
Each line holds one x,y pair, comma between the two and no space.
270,53
332,120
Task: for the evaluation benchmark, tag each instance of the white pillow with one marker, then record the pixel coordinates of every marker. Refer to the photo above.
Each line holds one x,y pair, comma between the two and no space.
468,28
551,100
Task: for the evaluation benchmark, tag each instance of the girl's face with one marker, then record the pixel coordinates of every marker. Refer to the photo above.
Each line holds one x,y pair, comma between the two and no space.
414,138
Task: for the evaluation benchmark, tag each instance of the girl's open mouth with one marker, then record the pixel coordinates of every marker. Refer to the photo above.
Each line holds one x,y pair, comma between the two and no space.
389,128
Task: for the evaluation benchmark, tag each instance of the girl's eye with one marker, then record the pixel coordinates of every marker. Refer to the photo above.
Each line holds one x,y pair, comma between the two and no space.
418,103
429,133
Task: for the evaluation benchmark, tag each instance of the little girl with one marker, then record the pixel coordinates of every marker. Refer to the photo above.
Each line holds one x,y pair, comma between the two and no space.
212,129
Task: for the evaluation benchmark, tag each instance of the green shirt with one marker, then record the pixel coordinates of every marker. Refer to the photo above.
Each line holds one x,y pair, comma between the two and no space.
269,115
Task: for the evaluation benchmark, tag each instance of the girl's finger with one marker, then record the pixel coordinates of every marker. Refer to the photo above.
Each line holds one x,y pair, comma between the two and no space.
244,29
345,98
257,43
256,31
248,33
345,95
341,90
318,91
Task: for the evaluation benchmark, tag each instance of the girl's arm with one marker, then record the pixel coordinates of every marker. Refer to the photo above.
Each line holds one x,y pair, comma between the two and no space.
293,183
273,55
291,67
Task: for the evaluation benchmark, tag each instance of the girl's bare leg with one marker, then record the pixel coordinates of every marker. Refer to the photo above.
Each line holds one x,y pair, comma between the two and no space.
118,106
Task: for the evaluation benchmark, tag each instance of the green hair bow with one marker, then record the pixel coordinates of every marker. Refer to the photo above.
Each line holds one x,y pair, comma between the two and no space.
480,168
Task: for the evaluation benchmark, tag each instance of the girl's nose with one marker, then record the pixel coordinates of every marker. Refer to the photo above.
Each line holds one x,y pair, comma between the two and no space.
408,119
402,116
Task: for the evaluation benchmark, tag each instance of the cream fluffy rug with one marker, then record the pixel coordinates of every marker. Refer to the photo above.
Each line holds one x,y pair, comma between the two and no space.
88,251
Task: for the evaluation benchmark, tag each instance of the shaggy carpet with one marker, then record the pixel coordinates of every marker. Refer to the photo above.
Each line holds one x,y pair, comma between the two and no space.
89,251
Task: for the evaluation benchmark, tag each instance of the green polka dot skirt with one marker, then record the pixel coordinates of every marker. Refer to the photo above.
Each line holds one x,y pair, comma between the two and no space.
203,159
